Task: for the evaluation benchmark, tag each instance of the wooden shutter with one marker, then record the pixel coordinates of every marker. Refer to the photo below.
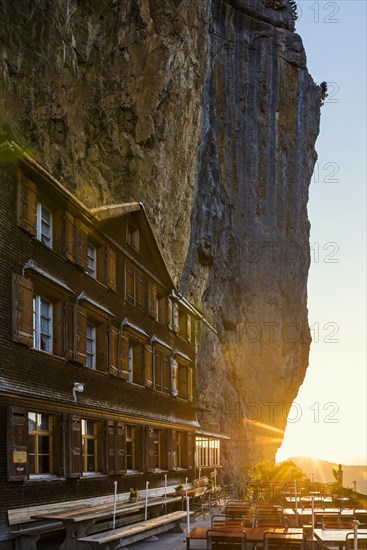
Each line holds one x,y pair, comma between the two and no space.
69,331
148,357
188,327
169,313
58,327
130,284
190,450
149,449
153,298
120,447
123,361
22,310
27,205
116,447
81,245
110,446
58,231
81,334
190,389
174,377
111,266
175,319
75,446
69,237
17,443
172,450
113,337
162,317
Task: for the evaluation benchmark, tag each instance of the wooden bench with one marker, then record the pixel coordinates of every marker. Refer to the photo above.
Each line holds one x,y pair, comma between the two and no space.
26,539
127,535
27,531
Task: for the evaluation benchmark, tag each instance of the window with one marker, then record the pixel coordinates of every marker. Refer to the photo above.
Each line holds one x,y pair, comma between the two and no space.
42,324
40,443
134,287
132,237
96,344
91,346
44,225
162,371
89,446
207,452
92,260
136,366
133,458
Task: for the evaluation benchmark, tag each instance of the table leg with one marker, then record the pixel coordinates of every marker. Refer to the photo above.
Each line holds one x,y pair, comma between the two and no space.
73,532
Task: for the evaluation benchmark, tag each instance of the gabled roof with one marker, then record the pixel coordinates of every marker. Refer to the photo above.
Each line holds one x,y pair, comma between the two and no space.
114,210
104,214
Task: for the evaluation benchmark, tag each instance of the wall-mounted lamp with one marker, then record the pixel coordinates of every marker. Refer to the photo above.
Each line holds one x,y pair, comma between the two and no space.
78,387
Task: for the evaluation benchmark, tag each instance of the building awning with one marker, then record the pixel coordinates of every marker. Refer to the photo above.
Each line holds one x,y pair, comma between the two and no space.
208,433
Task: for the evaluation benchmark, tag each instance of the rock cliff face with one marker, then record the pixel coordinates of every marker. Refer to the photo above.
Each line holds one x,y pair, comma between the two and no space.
203,110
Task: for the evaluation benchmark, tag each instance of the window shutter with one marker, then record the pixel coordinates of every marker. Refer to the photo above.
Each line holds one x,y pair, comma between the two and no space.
81,335
120,448
162,318
56,443
148,352
110,446
153,301
81,242
172,450
58,328
113,336
17,443
190,450
188,327
123,359
174,377
58,237
175,317
111,264
149,449
27,205
69,237
22,310
190,390
169,313
75,446
69,331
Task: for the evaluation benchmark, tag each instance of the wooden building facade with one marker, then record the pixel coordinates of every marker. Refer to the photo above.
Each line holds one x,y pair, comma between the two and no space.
97,348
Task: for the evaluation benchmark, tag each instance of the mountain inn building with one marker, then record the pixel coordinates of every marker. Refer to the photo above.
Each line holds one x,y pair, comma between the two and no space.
97,349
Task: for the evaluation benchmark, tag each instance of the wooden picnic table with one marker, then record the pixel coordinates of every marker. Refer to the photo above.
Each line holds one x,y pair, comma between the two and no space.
78,522
253,534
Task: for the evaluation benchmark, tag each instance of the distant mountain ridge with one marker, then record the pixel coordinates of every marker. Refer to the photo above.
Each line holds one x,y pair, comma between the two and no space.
322,470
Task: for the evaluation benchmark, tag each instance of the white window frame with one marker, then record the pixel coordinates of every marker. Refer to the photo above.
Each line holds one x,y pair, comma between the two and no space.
92,260
44,237
37,324
207,452
91,351
37,433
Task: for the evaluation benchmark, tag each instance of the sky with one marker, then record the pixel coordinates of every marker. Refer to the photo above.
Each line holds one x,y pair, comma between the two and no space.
329,417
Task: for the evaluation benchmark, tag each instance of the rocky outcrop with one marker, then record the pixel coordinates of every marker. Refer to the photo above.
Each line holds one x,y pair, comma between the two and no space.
249,254
203,110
